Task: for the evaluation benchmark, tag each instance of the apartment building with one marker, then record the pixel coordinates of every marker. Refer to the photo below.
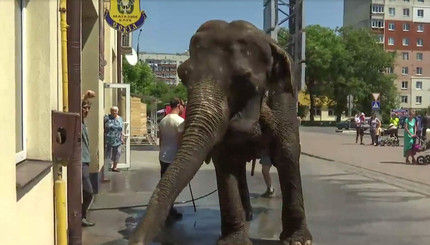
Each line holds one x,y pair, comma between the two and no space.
403,27
164,65
30,89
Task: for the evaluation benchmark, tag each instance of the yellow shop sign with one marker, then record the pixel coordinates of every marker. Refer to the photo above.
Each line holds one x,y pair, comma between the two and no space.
125,15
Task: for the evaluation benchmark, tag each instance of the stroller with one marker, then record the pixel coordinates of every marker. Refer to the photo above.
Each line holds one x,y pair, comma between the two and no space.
421,145
392,138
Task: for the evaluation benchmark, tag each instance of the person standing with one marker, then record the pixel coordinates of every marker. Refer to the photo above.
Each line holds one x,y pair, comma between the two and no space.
374,121
409,137
424,123
360,127
171,129
87,188
114,137
266,164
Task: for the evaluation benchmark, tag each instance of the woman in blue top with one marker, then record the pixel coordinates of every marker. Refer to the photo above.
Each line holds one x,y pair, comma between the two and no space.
114,137
409,137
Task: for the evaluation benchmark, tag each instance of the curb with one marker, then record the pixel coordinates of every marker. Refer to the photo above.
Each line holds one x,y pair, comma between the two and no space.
400,182
353,132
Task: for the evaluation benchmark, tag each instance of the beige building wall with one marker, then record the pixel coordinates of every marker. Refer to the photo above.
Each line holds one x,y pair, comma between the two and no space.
7,151
41,71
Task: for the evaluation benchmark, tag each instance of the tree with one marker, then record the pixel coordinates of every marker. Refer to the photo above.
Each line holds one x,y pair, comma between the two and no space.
366,74
139,77
322,46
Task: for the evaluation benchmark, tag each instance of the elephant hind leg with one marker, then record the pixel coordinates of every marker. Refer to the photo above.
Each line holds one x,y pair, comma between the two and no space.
233,228
244,193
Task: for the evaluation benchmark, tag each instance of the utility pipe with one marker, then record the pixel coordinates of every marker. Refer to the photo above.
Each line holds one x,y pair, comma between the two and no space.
74,168
60,184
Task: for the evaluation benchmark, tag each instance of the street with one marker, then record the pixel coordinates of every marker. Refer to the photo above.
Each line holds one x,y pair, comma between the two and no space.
346,203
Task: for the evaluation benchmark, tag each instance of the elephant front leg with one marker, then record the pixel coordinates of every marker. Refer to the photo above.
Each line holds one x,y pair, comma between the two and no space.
285,152
233,228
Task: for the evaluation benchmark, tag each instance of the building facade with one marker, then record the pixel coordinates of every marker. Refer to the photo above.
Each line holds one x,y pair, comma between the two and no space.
403,27
31,88
164,66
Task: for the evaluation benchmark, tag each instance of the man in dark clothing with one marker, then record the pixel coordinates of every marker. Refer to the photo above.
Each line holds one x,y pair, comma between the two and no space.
87,188
424,123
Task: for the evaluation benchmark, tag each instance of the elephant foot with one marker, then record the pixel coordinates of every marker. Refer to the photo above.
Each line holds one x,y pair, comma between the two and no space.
301,236
234,239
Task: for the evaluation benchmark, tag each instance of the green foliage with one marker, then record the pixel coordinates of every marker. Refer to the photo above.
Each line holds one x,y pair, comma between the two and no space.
143,82
347,61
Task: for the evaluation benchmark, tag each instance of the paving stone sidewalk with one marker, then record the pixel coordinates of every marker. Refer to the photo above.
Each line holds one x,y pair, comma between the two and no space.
384,159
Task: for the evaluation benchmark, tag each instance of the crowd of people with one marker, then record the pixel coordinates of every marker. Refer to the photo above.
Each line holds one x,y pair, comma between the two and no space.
415,127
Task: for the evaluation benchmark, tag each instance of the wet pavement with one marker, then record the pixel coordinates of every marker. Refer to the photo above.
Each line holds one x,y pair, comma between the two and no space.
343,207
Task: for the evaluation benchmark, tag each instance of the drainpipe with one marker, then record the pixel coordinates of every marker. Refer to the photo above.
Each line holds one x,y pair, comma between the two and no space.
74,169
119,68
60,184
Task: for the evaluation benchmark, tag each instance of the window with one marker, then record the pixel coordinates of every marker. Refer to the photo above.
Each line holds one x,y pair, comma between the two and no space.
20,146
419,56
406,12
317,111
406,27
391,41
418,100
405,41
390,70
420,1
419,70
330,112
391,26
377,24
419,42
404,99
391,11
420,28
378,8
419,85
380,38
405,85
405,55
420,13
405,70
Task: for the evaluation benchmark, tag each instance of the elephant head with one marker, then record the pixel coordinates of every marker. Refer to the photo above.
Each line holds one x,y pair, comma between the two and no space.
231,68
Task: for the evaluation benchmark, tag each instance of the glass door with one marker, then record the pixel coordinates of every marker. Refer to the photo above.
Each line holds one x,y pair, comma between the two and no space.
119,95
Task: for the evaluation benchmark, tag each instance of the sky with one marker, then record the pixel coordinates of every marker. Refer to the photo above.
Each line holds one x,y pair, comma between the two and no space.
170,24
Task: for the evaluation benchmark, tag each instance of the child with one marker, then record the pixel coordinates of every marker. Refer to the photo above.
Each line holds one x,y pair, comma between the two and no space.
378,133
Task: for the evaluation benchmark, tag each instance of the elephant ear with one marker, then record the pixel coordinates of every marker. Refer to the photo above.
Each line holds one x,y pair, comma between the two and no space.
282,73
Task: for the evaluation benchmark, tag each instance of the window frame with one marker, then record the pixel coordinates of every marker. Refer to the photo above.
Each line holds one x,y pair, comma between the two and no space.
418,13
420,29
391,43
408,12
404,87
416,100
405,54
22,155
405,41
406,25
404,97
420,42
406,69
419,54
419,87
393,12
419,69
391,24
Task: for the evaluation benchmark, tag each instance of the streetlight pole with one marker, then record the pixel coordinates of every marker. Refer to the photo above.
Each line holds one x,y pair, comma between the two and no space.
138,41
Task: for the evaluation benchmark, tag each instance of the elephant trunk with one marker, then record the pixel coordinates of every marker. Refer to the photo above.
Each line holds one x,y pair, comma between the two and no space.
206,123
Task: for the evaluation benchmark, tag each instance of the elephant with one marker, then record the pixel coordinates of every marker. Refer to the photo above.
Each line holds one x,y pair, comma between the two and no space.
242,98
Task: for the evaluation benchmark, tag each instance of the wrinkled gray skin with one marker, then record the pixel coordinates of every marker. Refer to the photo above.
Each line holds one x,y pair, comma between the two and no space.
241,99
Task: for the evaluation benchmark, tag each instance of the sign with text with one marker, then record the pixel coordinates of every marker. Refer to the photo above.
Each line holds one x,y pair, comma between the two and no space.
125,15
